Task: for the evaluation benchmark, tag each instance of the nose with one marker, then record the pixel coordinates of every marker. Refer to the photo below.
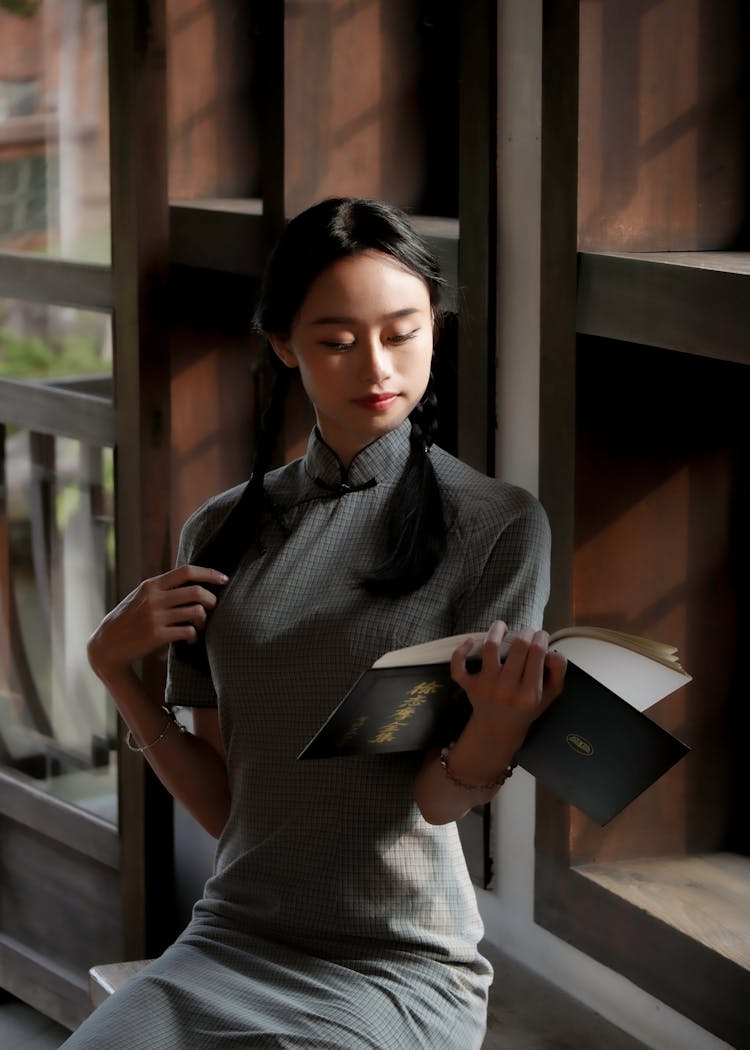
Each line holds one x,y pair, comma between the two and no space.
375,362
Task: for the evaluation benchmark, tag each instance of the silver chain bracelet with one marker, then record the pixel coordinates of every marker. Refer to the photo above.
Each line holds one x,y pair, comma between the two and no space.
169,721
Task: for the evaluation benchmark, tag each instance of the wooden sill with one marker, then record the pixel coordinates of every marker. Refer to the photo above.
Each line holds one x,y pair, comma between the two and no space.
725,262
693,302
226,234
706,896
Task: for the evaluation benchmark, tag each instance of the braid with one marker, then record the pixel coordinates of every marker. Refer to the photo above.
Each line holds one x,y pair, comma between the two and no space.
416,527
268,439
225,547
424,420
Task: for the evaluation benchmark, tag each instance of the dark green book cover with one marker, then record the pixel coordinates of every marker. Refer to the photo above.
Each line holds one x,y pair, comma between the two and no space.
590,747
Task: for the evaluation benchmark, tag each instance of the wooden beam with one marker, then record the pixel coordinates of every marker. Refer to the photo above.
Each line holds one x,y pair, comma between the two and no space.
224,235
38,279
228,236
45,409
58,820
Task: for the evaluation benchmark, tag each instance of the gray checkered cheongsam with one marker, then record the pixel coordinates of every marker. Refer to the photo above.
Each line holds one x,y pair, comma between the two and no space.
336,916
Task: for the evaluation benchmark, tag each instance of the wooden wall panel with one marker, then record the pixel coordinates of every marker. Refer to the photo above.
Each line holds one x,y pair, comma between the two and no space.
356,101
351,120
663,110
60,915
213,83
213,387
658,475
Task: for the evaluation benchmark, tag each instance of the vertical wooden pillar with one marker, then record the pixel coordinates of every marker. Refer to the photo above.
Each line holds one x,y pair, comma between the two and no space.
477,234
477,304
272,57
558,290
137,62
557,350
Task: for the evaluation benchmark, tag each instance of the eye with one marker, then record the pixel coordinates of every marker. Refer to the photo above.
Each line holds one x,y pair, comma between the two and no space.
402,337
333,345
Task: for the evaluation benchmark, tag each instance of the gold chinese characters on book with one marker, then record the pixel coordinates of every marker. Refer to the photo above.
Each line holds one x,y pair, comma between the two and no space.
594,746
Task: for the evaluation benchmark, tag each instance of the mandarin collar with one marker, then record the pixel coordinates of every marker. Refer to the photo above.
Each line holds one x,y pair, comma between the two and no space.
382,460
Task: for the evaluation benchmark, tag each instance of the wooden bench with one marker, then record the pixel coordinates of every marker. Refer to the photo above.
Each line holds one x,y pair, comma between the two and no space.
104,980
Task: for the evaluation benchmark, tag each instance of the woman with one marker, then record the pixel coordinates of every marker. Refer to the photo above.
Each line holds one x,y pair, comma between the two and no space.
340,913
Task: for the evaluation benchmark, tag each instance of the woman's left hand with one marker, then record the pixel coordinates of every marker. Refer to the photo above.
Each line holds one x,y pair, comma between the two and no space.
518,680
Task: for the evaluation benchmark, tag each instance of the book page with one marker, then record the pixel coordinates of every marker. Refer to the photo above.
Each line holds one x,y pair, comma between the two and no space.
439,650
666,654
636,678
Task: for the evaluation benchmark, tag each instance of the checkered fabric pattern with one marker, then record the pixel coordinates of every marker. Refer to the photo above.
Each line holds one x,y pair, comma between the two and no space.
336,917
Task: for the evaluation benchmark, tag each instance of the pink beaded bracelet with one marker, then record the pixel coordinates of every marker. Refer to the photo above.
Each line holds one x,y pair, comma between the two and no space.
489,786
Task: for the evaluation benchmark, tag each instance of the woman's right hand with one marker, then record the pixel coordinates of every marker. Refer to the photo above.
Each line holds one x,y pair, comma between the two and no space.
169,608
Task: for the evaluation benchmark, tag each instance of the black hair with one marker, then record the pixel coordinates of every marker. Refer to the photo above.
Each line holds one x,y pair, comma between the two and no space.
328,231
334,229
331,230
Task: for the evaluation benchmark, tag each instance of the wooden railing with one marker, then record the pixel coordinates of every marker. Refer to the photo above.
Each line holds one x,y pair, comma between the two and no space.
81,409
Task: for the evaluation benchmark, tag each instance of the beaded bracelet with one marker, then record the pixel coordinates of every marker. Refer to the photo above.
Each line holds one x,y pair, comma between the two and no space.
169,721
491,785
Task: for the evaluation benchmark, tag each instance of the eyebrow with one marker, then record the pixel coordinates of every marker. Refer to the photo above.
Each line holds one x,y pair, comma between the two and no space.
339,319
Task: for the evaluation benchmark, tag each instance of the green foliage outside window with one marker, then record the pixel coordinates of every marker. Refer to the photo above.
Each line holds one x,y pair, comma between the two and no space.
71,352
24,8
28,8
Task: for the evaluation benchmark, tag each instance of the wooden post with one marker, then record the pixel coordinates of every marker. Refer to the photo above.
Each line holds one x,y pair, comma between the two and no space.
137,62
477,235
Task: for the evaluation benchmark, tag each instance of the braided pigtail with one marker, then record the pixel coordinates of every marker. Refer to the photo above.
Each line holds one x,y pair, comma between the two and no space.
416,527
225,547
241,527
333,229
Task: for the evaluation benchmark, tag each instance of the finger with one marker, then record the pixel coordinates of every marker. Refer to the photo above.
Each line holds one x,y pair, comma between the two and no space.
459,674
182,633
533,672
185,614
189,594
191,624
554,680
495,646
183,574
515,661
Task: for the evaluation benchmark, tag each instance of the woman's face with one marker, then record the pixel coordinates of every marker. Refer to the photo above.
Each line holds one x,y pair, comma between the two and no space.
362,341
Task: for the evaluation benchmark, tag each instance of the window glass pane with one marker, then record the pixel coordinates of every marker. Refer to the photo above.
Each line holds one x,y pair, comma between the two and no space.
43,342
57,724
54,160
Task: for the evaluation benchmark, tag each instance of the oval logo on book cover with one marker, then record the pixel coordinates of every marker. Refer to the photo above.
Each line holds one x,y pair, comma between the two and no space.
579,744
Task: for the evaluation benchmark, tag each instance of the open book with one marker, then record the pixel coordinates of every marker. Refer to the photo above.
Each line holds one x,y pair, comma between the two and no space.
594,746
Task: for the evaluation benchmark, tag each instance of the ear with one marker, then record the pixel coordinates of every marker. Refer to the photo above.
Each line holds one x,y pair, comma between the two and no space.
283,350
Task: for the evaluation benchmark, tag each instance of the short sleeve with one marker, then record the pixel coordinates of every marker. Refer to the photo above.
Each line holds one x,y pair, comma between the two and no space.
187,685
508,565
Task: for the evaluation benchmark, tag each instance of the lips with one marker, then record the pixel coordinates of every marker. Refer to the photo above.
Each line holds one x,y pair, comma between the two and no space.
377,401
